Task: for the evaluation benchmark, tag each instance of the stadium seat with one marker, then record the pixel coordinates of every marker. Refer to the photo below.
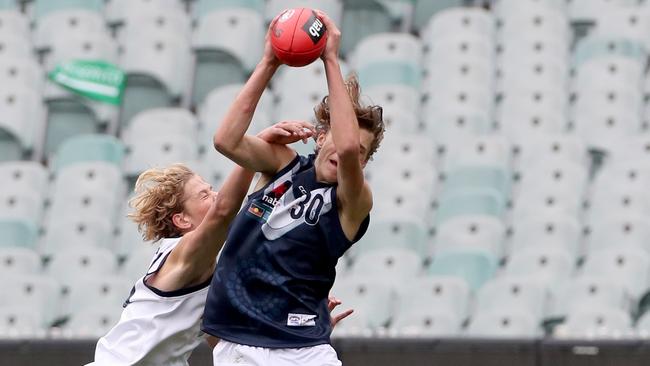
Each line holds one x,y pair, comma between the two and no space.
19,261
75,262
38,293
525,294
25,174
361,20
333,8
216,104
597,291
462,47
596,46
90,178
159,84
606,231
17,233
619,199
532,19
22,70
450,295
457,21
23,117
202,7
474,201
92,322
409,176
145,153
21,322
374,301
546,265
401,148
504,323
86,148
588,11
454,124
471,231
43,8
389,59
165,19
551,147
523,114
630,22
401,121
73,232
457,96
629,266
138,261
162,121
478,177
8,5
391,265
13,22
490,151
535,200
214,168
596,323
543,45
83,293
539,72
560,231
118,11
68,119
558,176
429,12
15,45
473,266
388,231
63,23
22,203
232,56
402,203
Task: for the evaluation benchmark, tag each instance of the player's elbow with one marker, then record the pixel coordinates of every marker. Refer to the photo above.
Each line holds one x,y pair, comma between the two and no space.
222,143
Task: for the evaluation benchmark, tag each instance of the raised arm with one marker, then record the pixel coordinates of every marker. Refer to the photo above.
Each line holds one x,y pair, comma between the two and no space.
352,189
230,138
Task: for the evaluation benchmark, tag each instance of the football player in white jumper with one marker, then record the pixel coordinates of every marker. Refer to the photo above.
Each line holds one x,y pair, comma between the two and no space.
160,321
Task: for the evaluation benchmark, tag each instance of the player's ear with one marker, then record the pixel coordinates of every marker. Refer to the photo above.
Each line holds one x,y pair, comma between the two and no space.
320,140
180,221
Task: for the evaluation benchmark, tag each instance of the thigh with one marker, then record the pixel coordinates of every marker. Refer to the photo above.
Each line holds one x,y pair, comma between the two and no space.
232,354
322,355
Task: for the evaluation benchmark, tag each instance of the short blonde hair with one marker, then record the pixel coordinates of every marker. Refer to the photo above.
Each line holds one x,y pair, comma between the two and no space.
159,195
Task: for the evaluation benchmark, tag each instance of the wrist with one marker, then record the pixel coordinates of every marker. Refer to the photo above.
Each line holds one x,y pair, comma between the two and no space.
269,64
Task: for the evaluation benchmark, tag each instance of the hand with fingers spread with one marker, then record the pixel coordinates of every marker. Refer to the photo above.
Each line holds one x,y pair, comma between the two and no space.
333,302
288,132
331,50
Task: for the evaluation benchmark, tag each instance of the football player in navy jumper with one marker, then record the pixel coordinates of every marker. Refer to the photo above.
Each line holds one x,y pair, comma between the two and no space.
268,297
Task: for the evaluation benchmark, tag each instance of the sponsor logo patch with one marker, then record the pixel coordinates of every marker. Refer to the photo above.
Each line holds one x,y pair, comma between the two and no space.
314,28
301,320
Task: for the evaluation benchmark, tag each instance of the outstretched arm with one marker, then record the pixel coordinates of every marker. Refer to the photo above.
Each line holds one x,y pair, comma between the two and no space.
230,138
352,188
198,248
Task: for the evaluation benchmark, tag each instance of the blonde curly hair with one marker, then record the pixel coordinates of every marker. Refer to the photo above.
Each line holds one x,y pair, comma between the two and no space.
159,195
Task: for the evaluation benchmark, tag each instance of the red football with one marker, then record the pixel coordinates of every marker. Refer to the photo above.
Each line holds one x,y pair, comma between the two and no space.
298,36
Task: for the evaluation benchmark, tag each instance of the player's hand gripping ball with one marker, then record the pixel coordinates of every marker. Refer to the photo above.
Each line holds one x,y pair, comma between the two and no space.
298,36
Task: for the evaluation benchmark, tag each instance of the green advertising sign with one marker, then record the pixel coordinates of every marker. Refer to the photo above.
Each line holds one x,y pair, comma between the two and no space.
96,80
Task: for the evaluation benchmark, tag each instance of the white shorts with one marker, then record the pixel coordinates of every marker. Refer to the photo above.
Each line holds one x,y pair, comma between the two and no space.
232,354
